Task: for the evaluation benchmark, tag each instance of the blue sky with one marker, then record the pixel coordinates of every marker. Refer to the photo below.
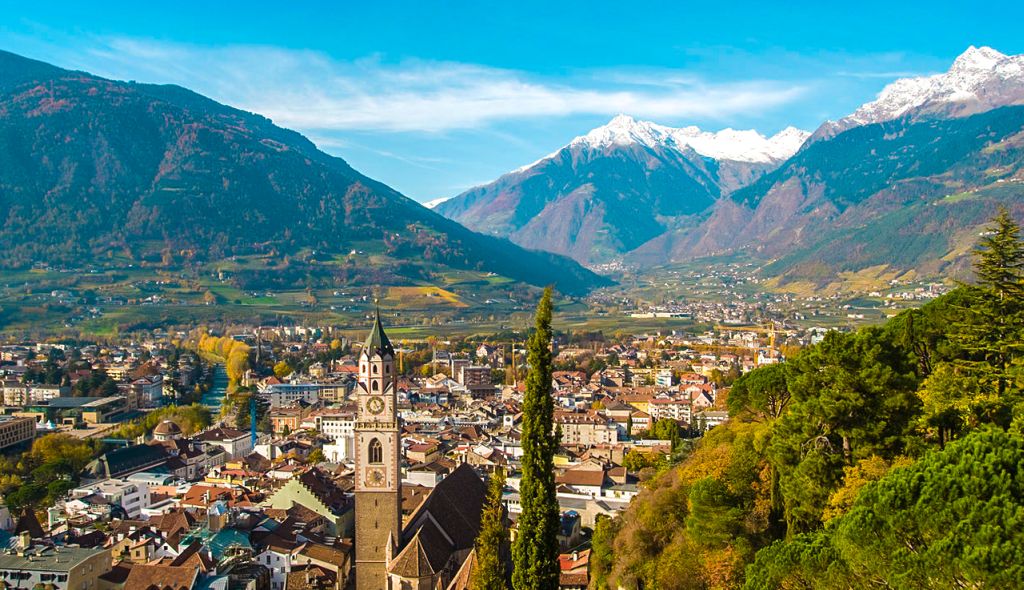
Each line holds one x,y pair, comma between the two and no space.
435,97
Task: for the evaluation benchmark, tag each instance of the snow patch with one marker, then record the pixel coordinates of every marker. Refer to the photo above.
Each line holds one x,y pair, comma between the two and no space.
727,144
435,202
979,75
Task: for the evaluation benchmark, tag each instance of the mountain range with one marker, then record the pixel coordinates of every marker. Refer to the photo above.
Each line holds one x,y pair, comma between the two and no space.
903,184
96,171
617,187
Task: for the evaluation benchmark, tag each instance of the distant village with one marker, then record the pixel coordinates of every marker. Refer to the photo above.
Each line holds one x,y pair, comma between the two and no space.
261,493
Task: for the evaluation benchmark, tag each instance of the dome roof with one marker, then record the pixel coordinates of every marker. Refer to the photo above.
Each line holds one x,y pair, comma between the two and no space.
167,427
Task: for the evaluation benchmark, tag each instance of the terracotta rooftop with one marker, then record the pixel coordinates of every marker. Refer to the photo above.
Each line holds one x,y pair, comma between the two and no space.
161,577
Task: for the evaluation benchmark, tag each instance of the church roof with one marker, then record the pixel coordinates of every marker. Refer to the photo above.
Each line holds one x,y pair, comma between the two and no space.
424,556
463,579
377,342
166,428
455,503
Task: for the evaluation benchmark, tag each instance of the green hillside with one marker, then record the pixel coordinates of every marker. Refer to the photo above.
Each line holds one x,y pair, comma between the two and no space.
890,457
98,171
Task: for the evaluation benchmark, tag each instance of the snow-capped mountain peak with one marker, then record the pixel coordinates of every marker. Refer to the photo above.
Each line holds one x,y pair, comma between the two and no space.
980,79
727,144
623,130
978,58
434,202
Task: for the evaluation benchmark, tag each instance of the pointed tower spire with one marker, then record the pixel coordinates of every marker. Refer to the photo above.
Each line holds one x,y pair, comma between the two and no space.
377,341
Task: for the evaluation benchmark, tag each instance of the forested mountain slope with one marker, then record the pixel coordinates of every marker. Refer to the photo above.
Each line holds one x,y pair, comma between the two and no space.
96,169
879,458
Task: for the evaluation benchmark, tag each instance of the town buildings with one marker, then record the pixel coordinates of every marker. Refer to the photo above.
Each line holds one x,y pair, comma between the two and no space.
16,431
361,473
59,567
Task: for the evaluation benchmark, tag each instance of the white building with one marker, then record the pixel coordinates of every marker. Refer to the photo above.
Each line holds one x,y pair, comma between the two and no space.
133,497
289,394
42,393
709,419
673,408
279,560
341,429
148,391
590,428
236,443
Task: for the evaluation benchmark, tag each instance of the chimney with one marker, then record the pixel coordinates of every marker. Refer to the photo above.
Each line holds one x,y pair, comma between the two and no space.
24,541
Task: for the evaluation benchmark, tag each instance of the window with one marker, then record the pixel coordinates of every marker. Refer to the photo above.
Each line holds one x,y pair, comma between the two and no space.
376,452
375,386
374,369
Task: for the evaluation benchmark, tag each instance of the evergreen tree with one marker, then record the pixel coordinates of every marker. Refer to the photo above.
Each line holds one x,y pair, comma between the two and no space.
953,519
762,394
535,551
492,542
854,395
990,333
1000,259
602,556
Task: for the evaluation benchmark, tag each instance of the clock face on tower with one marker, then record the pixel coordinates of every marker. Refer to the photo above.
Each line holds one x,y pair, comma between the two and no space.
375,405
375,477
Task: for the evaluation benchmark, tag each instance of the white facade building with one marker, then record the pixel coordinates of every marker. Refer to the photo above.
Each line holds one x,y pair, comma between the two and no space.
133,497
341,429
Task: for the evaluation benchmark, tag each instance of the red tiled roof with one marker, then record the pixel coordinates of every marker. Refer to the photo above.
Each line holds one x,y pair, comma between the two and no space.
581,477
161,577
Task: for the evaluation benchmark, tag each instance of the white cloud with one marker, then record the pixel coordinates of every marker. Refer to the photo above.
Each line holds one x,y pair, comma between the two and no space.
312,92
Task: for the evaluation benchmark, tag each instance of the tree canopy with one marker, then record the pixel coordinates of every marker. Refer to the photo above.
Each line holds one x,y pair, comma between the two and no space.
887,457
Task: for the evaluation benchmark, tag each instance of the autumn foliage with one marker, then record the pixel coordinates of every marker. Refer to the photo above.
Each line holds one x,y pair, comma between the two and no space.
234,353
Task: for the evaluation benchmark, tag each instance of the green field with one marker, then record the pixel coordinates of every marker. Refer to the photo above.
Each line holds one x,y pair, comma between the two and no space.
112,302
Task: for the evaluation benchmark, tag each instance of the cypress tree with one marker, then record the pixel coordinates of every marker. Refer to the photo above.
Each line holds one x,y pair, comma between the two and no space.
535,551
492,542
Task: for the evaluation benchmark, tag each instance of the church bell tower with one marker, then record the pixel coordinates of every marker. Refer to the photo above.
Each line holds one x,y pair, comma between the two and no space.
378,450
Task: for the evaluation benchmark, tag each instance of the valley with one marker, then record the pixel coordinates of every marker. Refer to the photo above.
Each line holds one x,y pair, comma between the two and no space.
117,301
281,310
